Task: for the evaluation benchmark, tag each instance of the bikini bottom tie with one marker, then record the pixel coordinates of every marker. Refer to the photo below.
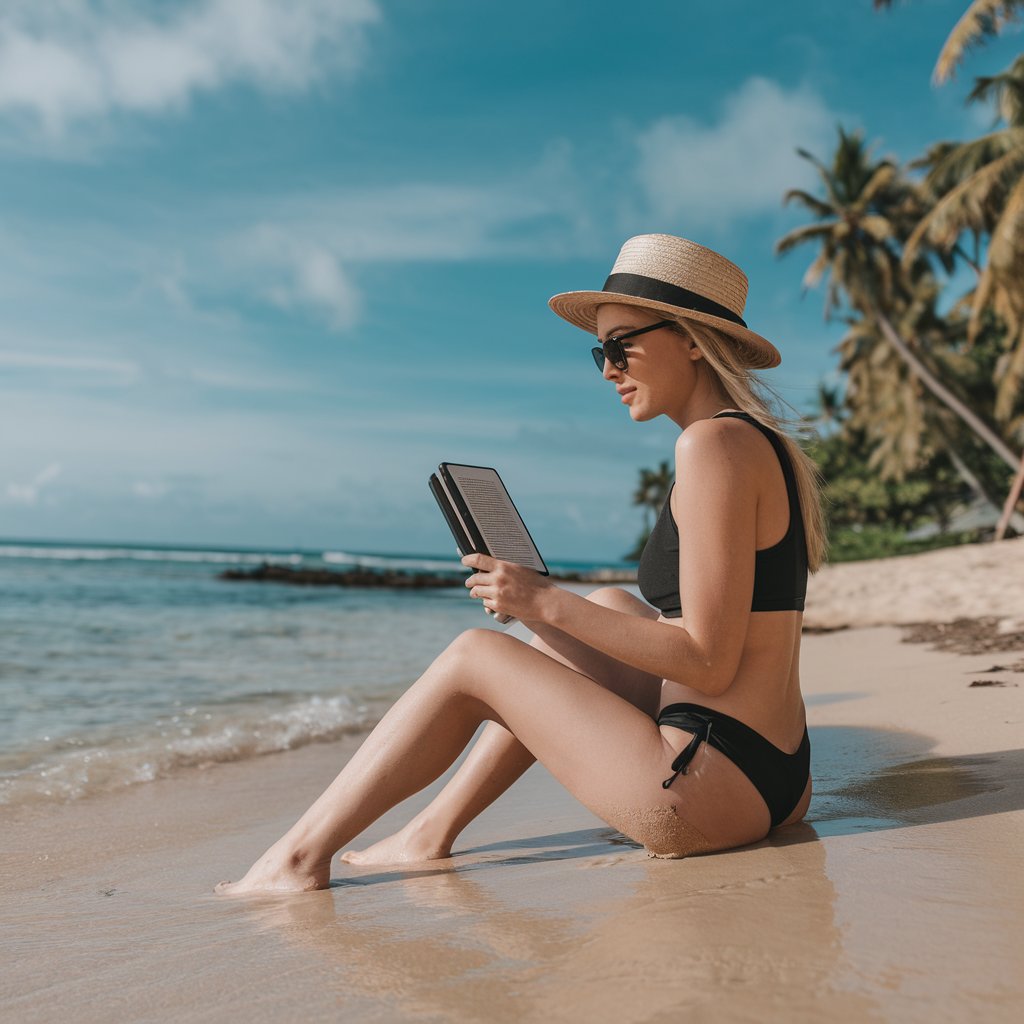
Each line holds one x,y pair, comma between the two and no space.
681,763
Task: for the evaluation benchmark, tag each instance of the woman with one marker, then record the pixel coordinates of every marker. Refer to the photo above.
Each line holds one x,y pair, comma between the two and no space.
679,722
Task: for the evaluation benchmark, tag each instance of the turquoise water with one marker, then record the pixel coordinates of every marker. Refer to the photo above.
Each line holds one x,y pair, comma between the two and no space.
122,664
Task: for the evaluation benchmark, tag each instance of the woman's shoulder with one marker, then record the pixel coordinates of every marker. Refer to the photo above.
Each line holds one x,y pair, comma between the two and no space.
720,437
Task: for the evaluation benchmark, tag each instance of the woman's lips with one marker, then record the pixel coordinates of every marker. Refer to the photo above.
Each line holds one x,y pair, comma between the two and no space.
626,393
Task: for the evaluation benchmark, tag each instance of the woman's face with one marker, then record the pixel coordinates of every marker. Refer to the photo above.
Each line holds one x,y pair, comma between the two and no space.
662,374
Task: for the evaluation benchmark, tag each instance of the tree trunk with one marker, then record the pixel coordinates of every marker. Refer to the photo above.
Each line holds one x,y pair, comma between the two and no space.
975,485
1011,500
966,475
944,395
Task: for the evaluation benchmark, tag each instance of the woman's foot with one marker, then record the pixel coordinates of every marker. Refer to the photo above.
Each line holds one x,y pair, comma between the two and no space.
410,845
277,872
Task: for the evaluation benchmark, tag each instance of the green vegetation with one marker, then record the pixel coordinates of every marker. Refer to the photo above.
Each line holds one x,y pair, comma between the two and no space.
650,495
869,516
886,541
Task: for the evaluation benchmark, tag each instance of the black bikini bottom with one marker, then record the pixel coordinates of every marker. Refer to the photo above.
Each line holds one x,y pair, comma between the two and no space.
779,777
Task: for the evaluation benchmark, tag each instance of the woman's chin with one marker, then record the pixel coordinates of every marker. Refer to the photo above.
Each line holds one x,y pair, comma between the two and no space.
638,414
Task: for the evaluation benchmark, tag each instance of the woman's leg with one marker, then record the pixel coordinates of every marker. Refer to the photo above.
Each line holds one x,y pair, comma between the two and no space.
498,759
610,755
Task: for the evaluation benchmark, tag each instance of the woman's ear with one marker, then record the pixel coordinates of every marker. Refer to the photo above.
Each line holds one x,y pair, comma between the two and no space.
692,349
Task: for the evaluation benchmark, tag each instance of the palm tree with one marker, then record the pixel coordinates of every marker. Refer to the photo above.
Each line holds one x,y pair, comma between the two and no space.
988,197
981,20
978,188
829,410
868,210
653,491
885,401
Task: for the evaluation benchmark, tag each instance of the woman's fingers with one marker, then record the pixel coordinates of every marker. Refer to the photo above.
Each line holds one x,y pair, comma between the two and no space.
502,586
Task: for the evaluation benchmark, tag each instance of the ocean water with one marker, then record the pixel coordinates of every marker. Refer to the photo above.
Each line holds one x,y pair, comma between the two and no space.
122,664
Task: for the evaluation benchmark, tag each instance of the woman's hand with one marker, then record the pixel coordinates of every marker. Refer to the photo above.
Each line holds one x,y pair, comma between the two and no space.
506,588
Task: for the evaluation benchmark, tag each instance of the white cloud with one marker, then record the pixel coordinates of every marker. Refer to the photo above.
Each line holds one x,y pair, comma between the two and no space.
162,365
62,62
28,493
710,174
117,369
308,248
411,222
319,281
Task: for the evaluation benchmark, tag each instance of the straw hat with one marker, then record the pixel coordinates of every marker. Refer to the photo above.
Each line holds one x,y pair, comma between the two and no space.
681,279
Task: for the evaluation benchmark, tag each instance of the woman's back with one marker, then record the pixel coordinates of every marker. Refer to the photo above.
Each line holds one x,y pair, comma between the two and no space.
765,691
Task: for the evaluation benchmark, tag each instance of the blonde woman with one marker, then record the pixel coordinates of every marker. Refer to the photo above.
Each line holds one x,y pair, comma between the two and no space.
678,720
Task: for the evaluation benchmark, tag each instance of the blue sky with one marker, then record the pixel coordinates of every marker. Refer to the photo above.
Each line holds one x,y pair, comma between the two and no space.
267,262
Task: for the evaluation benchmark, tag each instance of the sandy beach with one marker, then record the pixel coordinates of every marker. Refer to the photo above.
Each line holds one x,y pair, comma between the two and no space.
901,897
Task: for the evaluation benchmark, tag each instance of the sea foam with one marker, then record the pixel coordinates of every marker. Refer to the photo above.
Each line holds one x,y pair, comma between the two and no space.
70,769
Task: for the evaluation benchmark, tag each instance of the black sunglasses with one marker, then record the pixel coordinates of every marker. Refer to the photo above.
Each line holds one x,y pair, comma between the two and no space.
614,351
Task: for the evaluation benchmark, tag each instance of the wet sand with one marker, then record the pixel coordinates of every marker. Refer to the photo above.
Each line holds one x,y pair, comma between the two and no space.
901,899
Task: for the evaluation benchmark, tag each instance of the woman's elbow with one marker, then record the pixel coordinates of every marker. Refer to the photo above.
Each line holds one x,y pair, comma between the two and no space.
710,667
713,675
702,679
713,681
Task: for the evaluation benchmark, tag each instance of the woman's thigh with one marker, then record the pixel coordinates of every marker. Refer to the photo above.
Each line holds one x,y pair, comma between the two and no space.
607,752
641,689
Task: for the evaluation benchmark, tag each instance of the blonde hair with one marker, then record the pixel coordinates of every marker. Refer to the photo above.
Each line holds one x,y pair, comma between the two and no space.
747,392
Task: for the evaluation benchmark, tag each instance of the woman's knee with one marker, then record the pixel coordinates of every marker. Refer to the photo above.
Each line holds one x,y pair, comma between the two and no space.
621,600
608,597
472,648
469,644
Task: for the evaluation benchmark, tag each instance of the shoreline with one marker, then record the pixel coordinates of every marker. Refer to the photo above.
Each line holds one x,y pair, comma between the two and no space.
955,598
121,768
400,579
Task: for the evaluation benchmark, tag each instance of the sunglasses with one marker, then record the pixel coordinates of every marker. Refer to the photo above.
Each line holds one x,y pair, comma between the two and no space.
614,350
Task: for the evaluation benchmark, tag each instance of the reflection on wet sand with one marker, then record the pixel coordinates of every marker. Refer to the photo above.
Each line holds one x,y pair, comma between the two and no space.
871,779
581,925
745,930
745,935
436,944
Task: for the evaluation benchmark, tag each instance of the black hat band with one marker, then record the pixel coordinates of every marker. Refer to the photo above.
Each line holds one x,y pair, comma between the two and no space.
641,287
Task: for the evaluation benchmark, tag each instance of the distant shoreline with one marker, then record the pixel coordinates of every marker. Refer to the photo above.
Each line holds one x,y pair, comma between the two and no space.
393,578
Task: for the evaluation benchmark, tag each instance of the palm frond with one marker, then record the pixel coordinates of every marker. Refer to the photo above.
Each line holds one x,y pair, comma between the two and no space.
823,172
944,222
1006,90
817,269
881,178
962,159
982,19
1011,381
808,233
813,203
877,226
1006,246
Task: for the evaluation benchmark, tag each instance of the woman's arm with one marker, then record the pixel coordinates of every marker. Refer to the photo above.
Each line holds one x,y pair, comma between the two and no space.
715,506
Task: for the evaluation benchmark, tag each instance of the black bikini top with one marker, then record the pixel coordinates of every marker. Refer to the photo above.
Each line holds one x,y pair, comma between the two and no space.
780,572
